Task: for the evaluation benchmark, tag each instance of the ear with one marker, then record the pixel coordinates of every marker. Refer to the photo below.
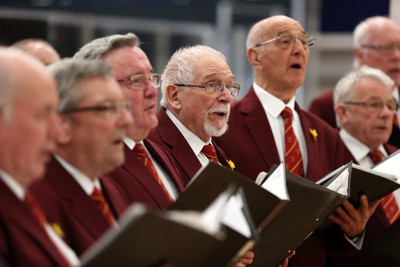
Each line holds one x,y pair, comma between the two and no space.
341,113
253,58
65,132
358,55
173,94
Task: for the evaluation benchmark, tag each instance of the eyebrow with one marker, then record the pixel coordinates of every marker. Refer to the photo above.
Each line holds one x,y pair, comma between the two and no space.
280,32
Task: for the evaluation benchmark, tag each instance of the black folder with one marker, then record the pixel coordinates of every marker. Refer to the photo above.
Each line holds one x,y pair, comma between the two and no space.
388,245
206,185
374,184
310,205
148,239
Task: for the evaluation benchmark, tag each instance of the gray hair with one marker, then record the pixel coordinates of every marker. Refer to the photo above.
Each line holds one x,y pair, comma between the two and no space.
346,83
95,49
362,31
69,73
183,64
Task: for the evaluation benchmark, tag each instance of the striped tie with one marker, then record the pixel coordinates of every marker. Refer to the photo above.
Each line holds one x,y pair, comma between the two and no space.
103,206
209,152
388,203
293,159
145,159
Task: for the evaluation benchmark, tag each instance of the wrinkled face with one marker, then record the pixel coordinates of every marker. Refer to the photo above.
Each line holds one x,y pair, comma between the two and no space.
278,65
95,137
28,137
388,60
126,62
206,114
372,126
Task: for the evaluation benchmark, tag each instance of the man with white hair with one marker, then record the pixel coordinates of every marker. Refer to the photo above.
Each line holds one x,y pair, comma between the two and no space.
365,106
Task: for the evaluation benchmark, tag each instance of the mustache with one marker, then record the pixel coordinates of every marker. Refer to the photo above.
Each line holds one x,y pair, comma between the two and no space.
225,108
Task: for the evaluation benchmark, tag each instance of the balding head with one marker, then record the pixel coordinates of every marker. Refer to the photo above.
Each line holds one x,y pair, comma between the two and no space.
28,120
39,49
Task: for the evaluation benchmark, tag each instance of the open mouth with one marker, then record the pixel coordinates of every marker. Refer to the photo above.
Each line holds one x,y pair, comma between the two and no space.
220,114
296,66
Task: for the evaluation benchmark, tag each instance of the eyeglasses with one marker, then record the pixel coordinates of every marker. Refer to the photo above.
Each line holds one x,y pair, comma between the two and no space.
375,105
383,49
140,81
213,87
286,41
108,110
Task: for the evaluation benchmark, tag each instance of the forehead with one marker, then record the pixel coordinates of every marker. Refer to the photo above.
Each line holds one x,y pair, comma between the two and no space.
126,61
383,32
209,68
368,87
98,89
283,25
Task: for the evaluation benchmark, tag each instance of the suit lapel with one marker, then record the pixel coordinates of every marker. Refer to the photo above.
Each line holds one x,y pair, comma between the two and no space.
139,172
20,215
253,113
74,199
180,149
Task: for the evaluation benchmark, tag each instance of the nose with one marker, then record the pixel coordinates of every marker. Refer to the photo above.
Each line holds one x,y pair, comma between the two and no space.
386,112
151,90
225,95
54,129
125,118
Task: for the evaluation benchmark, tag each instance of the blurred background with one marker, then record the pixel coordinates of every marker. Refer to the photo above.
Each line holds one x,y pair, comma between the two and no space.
165,25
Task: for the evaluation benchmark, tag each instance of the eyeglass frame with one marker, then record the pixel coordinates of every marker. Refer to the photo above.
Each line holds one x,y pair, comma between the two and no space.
147,79
111,109
388,49
235,86
371,106
310,40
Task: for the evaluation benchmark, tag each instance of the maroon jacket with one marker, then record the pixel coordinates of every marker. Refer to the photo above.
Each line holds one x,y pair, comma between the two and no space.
65,203
170,138
250,144
139,184
23,241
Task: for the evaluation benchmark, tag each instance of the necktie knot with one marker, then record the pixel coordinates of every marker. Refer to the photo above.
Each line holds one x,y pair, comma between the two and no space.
140,150
209,152
287,114
376,156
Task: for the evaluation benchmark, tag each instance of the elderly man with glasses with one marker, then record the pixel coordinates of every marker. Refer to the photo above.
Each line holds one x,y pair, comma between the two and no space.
365,106
267,126
377,45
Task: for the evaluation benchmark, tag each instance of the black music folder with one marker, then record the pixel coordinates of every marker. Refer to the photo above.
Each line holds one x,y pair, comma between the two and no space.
145,238
374,184
310,204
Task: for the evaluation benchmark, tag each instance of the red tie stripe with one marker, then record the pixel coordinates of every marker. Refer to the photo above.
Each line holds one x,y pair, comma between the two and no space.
103,206
209,152
145,159
30,201
293,158
388,203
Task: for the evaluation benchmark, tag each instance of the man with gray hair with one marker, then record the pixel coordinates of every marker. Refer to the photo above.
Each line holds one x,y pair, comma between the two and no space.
376,44
28,129
148,174
94,120
365,106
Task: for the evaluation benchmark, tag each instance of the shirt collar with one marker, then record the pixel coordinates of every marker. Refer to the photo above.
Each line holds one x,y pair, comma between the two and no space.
193,140
271,104
14,186
129,143
83,180
358,149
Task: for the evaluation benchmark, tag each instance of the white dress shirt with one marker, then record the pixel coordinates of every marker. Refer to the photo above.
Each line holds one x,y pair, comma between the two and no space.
273,108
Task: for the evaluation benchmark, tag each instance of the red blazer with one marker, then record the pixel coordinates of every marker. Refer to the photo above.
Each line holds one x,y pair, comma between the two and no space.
170,138
322,106
23,241
250,144
376,226
138,183
65,203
